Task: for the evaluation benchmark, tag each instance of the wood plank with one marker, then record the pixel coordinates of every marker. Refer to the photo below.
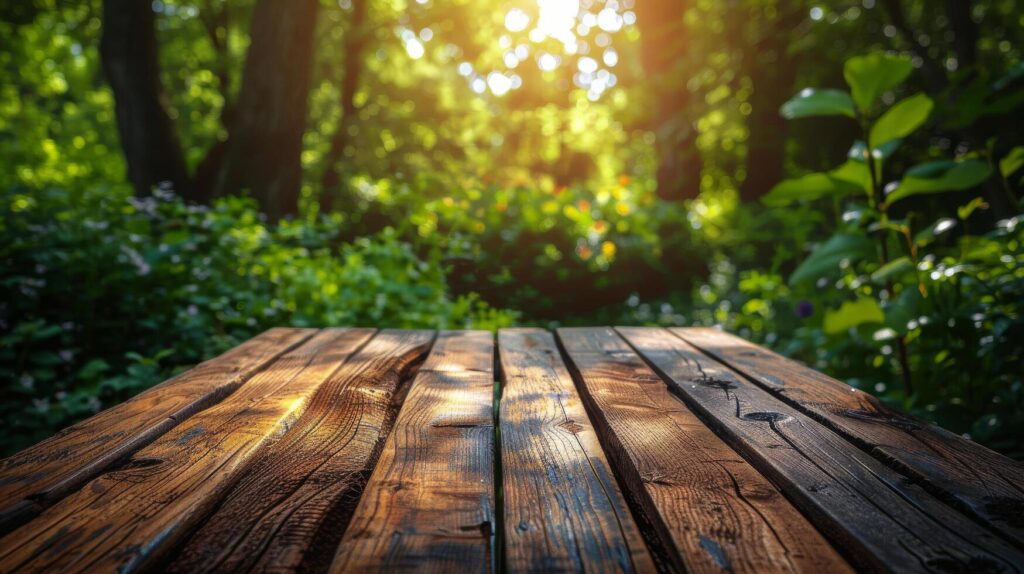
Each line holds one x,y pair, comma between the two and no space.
292,503
42,474
127,519
563,508
881,519
429,504
979,481
710,508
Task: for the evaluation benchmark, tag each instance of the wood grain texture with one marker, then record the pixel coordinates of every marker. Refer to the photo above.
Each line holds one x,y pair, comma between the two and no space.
127,519
429,504
709,507
563,510
42,474
291,504
978,480
883,521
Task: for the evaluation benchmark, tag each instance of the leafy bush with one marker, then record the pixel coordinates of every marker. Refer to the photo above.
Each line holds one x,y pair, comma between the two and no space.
103,295
926,311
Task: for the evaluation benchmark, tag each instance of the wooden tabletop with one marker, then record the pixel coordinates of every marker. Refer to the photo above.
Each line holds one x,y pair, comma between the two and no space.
599,449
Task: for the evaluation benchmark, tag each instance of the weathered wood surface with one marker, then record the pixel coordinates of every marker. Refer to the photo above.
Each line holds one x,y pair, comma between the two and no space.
564,510
299,492
982,482
36,477
711,510
883,521
128,519
306,450
429,504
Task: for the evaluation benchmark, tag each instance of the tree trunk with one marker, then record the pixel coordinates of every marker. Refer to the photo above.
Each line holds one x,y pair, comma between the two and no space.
772,74
354,47
965,32
766,149
664,55
214,16
263,155
129,53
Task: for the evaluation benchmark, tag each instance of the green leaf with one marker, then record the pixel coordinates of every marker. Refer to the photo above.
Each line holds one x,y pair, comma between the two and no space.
46,332
826,257
931,169
872,75
926,235
938,177
902,119
904,309
855,173
93,368
965,211
852,314
1003,104
859,150
1012,162
809,187
892,269
813,102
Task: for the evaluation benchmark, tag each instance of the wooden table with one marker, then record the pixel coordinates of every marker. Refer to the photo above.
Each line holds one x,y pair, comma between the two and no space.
597,449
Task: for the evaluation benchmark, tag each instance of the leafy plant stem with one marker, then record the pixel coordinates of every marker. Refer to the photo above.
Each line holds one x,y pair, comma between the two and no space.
879,199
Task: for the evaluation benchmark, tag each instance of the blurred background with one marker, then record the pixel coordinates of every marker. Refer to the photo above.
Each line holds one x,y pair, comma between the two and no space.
837,180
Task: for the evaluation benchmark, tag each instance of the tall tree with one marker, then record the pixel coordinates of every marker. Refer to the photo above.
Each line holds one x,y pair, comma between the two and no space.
665,59
215,18
130,61
772,73
354,46
263,155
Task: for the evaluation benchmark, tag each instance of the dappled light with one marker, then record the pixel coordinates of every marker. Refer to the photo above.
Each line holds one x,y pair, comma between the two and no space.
838,181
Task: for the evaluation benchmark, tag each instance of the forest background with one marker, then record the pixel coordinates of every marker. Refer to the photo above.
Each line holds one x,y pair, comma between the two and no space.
837,180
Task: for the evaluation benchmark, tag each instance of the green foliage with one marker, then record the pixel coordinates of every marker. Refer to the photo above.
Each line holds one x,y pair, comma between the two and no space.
852,314
939,177
939,310
810,186
901,120
811,102
106,295
872,75
842,248
1012,162
456,205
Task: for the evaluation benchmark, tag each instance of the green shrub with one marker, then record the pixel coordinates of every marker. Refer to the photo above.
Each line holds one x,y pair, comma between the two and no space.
921,305
104,295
